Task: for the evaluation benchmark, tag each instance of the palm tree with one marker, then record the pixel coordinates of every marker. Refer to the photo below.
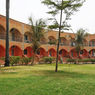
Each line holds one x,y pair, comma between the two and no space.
7,34
66,7
37,31
79,39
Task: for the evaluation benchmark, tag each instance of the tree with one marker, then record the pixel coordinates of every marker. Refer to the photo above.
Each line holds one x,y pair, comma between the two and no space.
7,34
79,39
68,7
37,31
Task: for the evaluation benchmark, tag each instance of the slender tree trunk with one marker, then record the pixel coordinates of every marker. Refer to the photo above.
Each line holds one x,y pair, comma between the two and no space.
57,57
33,59
7,34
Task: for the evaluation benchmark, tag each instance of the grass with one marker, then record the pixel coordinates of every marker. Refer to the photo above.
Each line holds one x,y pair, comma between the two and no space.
42,80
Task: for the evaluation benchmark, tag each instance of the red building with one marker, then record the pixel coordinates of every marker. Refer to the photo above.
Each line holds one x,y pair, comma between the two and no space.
20,42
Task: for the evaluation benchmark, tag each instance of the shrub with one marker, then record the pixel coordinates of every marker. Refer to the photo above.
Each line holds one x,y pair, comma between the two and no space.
14,60
86,60
48,59
92,60
2,58
52,42
82,60
71,60
25,60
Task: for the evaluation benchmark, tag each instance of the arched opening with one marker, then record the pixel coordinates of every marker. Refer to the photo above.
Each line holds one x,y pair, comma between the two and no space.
92,53
28,51
63,41
15,51
84,53
28,37
52,40
15,35
2,51
63,53
72,42
41,52
52,52
85,43
92,42
43,40
73,53
2,32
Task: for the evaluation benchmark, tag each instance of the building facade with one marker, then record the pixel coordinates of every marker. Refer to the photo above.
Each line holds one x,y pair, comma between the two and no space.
21,44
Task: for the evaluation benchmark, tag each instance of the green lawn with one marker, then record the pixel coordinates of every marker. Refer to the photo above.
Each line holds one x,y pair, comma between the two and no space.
42,80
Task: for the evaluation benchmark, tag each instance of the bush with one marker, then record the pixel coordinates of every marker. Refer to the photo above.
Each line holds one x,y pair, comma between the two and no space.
71,60
48,60
25,60
82,60
86,60
14,60
92,60
2,58
52,42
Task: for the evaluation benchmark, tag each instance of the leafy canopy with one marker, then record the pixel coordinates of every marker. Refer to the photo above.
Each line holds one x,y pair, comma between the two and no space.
37,32
68,7
79,39
80,36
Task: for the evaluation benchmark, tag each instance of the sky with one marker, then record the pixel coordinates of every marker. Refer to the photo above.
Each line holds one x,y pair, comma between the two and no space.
21,10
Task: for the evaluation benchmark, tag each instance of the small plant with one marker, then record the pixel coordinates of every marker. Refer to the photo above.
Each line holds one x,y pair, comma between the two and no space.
2,58
82,60
14,60
71,60
52,42
25,60
48,59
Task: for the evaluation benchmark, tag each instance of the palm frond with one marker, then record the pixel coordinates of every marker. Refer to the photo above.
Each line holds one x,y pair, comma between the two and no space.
37,32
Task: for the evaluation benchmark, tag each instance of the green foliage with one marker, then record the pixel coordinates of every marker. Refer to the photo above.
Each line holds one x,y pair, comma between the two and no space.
80,36
48,60
14,60
37,32
71,60
81,60
79,39
52,42
68,7
26,60
92,60
2,58
36,29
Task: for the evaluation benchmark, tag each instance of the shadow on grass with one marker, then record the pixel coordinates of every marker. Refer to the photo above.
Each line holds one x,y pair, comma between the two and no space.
35,71
62,74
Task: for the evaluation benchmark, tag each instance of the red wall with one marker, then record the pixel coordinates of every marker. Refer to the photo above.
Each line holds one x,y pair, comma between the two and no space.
2,51
17,51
